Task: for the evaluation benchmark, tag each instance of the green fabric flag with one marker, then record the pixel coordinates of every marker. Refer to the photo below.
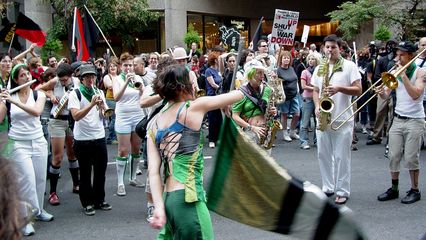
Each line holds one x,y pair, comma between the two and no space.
248,186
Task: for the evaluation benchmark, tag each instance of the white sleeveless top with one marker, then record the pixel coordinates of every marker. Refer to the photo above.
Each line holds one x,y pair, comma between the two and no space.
23,125
129,101
405,105
59,91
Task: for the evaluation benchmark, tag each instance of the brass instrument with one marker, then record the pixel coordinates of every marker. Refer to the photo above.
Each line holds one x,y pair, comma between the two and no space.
200,93
62,104
388,79
103,107
272,125
137,85
326,104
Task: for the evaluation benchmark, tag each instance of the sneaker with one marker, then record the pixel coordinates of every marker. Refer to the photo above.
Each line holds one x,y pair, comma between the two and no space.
294,135
305,145
388,195
89,210
364,130
103,206
286,136
54,199
138,171
44,216
136,183
212,145
412,197
28,229
150,213
121,190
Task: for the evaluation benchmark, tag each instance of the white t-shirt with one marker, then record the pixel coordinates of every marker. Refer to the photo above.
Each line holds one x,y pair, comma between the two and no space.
129,101
91,126
23,125
345,78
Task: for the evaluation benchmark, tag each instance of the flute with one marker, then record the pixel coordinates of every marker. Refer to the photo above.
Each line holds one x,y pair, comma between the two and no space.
21,86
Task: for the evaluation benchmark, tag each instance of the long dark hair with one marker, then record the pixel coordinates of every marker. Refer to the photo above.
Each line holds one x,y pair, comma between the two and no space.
10,220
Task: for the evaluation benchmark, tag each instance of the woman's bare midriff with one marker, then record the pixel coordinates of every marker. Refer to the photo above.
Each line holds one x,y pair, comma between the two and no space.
172,185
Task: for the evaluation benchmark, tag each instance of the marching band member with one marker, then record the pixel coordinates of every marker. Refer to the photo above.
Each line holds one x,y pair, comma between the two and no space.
405,134
334,147
89,140
249,113
60,130
29,151
128,114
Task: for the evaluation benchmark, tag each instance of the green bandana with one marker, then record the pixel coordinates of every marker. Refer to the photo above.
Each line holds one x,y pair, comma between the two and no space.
130,84
409,71
337,67
87,92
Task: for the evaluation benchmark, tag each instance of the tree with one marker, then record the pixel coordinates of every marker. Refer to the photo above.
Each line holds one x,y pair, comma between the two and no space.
402,15
382,33
191,36
116,17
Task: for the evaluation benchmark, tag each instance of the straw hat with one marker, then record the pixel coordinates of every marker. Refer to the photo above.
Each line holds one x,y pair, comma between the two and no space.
179,53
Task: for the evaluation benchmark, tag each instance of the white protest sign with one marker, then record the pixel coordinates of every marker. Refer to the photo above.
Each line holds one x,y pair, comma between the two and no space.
284,28
305,34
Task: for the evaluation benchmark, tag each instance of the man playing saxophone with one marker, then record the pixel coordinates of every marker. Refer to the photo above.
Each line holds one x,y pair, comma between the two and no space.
250,113
334,147
60,129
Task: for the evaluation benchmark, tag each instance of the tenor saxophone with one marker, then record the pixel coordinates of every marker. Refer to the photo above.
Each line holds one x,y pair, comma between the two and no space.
326,104
272,125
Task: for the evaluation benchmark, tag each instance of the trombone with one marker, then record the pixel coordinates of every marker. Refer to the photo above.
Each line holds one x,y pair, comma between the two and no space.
105,110
388,79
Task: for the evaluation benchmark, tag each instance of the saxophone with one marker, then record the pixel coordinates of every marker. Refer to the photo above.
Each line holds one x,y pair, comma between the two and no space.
326,104
272,125
62,104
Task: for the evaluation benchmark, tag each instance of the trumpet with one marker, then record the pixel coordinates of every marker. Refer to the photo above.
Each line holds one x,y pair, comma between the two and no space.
137,84
103,107
388,79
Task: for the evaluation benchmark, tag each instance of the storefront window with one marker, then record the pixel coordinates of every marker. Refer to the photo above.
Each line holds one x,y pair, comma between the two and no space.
212,34
196,21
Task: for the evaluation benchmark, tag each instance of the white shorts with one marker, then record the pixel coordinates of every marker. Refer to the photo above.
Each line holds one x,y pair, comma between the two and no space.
126,123
59,128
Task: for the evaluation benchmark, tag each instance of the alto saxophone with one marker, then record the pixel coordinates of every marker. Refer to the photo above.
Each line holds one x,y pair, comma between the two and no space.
326,104
272,125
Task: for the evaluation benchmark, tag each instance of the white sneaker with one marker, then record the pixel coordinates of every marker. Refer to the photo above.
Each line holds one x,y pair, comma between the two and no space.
28,229
294,135
136,183
44,216
364,129
305,145
121,190
286,136
212,145
138,171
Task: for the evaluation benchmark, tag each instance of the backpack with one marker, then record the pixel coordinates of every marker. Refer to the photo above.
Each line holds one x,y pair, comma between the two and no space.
142,126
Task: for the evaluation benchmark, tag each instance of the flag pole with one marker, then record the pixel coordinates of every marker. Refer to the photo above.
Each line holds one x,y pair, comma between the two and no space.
100,30
10,45
73,30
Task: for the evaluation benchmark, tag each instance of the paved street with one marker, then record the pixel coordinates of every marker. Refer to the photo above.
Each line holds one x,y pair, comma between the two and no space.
370,177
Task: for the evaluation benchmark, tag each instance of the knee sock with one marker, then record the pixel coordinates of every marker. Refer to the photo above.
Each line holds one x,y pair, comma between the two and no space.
74,167
395,184
54,176
121,168
135,159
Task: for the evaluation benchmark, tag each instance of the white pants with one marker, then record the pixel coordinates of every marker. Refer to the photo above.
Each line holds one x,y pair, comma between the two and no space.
30,158
334,156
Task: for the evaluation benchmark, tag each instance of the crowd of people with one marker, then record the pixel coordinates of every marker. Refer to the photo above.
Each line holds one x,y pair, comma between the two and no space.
180,95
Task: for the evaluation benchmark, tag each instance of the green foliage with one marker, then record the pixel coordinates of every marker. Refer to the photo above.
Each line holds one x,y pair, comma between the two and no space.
191,36
114,17
52,46
382,33
351,15
401,15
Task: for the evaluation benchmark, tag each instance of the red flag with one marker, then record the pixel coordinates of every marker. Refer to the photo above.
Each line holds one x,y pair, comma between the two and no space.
82,51
26,28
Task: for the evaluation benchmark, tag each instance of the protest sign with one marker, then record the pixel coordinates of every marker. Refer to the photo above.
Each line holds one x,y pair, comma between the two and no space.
284,28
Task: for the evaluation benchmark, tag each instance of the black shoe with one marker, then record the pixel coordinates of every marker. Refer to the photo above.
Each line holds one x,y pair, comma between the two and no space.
103,206
329,194
373,142
412,197
89,210
388,195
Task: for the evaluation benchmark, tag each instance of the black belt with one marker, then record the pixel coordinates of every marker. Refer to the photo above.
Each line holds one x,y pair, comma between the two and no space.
401,117
60,117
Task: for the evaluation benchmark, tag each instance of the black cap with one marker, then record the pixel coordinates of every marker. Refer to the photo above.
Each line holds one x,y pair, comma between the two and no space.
87,69
406,46
76,65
